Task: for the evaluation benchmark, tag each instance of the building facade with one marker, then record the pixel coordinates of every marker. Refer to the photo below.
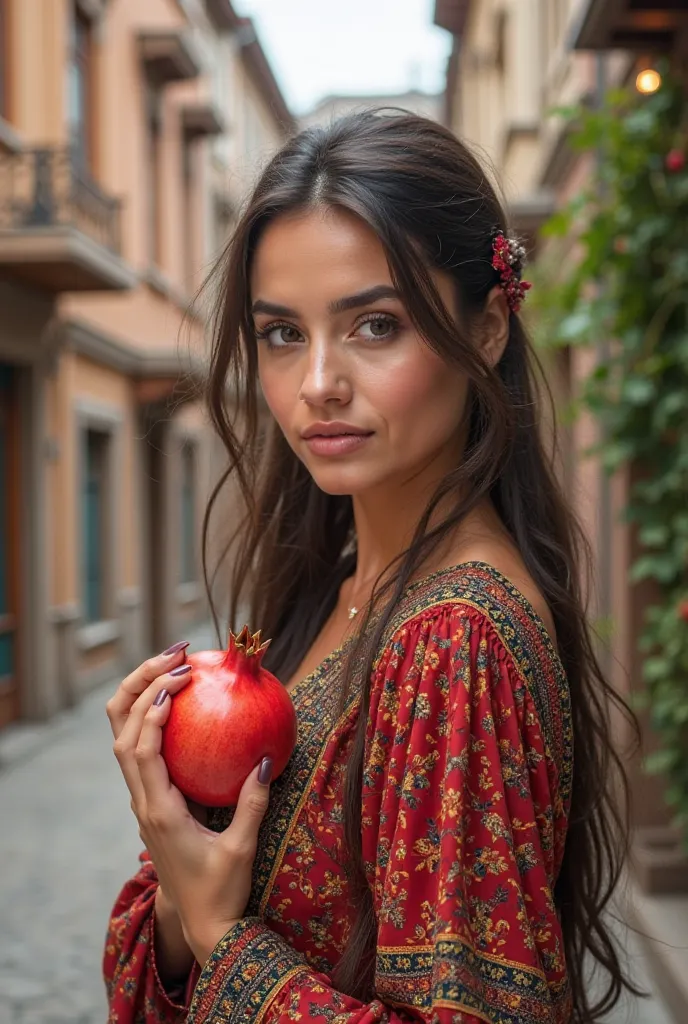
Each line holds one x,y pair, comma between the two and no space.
331,107
128,135
513,63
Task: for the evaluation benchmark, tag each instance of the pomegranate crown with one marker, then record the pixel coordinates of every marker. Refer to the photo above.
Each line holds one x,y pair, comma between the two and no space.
249,643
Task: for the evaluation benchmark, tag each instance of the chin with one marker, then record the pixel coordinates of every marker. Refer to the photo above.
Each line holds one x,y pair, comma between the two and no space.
343,480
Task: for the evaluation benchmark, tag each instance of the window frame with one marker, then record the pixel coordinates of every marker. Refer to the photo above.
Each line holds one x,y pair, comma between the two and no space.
80,69
188,570
223,223
152,100
98,417
188,157
96,456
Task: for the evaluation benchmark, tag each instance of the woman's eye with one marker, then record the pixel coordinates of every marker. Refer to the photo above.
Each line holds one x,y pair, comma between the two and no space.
280,335
380,327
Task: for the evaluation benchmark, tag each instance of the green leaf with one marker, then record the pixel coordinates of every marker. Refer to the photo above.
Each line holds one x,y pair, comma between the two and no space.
659,567
559,224
575,327
661,761
615,454
638,390
654,536
656,669
669,405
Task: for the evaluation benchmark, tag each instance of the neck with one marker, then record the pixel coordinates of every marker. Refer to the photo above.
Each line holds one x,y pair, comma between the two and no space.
386,519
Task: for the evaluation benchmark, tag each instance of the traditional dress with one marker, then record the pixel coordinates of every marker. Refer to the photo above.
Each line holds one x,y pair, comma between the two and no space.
466,791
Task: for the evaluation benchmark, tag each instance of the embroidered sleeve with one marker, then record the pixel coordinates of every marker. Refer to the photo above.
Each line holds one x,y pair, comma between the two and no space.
463,829
135,992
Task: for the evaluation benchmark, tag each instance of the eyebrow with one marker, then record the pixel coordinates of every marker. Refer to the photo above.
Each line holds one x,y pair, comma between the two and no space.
379,291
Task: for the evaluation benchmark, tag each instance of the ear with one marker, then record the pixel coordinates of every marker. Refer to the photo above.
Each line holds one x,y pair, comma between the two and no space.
495,326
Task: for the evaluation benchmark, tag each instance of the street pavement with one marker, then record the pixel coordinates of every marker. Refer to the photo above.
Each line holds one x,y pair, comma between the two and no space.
68,841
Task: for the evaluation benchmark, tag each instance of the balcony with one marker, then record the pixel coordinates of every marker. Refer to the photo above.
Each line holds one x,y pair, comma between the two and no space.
169,57
648,26
201,118
58,231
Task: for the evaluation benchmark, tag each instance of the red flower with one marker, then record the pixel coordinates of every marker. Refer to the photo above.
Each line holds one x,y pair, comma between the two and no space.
675,161
506,255
683,610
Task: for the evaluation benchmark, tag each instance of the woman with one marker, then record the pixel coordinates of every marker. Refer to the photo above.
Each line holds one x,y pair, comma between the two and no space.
432,852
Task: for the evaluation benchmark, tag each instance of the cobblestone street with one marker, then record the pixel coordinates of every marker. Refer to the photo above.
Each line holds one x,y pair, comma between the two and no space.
67,843
68,839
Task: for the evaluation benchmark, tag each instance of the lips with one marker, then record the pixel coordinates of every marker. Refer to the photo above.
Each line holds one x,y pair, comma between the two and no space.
334,429
335,439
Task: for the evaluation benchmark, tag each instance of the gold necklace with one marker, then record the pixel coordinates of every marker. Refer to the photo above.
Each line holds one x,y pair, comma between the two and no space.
353,611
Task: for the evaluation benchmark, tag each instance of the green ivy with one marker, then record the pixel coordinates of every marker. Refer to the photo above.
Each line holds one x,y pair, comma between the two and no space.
625,280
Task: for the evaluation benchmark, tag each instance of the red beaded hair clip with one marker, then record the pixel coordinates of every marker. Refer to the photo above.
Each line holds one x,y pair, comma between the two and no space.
508,256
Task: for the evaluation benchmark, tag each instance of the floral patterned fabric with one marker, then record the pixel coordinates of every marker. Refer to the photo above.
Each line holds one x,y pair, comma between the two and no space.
465,798
134,989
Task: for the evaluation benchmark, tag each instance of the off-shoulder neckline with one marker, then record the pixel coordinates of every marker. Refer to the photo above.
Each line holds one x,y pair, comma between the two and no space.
450,570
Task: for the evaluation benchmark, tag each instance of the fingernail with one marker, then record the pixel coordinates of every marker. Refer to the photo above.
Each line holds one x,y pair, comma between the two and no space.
265,771
161,698
175,648
181,670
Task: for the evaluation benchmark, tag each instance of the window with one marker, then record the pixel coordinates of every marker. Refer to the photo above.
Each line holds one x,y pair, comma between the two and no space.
223,222
252,131
188,514
153,163
562,15
189,247
79,90
554,17
500,42
222,85
95,551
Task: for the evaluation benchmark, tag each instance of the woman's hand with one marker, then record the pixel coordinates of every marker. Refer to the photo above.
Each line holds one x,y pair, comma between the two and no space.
205,875
137,692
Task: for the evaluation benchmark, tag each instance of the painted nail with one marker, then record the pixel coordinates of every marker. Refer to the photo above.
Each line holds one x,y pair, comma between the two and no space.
161,698
175,648
181,670
265,771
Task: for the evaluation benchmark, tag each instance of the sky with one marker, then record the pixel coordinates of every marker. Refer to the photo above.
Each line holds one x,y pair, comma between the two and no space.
319,47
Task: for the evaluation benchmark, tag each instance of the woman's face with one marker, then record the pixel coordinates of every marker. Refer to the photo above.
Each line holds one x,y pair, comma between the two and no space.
361,399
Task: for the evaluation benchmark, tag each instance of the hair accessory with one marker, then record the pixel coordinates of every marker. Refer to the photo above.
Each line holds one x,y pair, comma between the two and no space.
508,256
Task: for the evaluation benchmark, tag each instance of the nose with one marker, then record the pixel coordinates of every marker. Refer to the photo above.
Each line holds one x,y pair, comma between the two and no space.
326,378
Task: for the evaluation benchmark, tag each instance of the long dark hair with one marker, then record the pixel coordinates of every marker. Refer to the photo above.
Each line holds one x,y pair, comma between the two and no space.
432,206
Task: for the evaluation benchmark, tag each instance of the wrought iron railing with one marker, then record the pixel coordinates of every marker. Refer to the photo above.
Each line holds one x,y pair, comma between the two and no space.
44,187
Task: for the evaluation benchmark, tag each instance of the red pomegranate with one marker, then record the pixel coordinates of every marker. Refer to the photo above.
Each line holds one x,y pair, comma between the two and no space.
230,715
675,161
683,610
